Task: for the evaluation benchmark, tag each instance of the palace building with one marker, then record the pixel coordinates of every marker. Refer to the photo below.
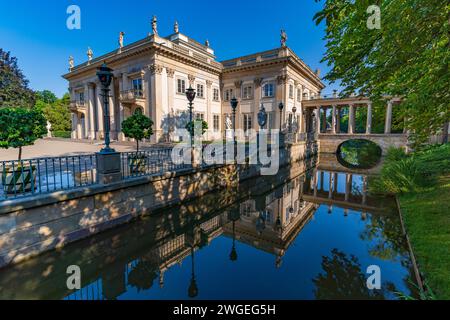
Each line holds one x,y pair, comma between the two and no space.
151,76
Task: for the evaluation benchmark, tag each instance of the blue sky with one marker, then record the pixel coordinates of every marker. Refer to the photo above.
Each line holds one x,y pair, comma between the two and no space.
36,33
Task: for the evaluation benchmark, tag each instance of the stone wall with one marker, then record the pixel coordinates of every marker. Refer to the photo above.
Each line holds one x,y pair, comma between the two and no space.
330,142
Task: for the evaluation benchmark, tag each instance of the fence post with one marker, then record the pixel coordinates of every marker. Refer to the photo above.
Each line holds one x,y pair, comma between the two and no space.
109,168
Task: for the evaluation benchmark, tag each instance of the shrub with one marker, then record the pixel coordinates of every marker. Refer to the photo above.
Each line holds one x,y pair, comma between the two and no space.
138,127
21,127
62,134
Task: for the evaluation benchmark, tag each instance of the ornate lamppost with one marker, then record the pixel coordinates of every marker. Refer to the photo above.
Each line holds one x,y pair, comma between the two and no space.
234,103
280,107
105,75
190,95
262,117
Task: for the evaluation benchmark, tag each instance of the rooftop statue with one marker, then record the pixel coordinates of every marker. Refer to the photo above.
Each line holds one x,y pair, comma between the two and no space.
176,27
121,34
154,25
283,38
71,63
90,54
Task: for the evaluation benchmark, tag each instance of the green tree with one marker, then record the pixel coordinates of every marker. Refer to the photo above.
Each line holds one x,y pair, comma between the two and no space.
20,127
191,126
55,110
14,91
408,57
46,96
137,127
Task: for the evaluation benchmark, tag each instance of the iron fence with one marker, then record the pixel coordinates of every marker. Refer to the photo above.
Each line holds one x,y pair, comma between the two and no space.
44,175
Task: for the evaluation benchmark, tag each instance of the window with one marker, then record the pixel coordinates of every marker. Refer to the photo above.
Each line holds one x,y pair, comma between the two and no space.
228,94
137,86
216,94
299,95
181,86
291,91
200,91
247,121
216,121
81,96
199,116
268,90
247,92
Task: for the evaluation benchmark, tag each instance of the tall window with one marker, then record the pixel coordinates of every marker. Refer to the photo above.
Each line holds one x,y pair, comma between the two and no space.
228,94
216,94
81,96
181,86
268,90
299,95
199,116
291,91
247,121
247,92
200,91
137,86
216,121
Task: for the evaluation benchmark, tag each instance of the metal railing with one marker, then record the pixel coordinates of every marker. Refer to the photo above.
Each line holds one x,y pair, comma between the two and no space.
150,162
44,175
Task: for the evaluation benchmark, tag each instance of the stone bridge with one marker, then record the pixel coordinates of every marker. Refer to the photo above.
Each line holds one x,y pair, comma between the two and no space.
329,143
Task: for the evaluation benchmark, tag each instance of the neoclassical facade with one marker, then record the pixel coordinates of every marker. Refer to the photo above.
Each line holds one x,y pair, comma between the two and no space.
151,76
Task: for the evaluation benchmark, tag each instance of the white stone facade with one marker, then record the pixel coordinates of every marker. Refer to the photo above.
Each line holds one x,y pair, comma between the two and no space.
152,74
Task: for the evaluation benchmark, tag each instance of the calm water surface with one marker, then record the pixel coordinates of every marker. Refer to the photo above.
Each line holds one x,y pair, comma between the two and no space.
308,233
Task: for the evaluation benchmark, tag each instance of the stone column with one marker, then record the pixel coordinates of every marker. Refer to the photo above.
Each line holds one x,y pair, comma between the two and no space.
330,185
388,124
348,185
369,118
209,117
74,125
315,182
351,119
171,95
156,100
122,85
324,119
91,110
338,120
317,120
79,128
257,98
112,111
364,190
333,120
98,92
87,123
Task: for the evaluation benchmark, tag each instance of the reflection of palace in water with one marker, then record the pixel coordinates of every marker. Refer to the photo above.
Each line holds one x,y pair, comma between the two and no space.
268,217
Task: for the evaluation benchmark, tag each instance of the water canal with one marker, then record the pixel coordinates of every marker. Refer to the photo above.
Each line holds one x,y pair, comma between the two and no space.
308,233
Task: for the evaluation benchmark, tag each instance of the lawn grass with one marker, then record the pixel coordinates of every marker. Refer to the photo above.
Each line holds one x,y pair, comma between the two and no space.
427,219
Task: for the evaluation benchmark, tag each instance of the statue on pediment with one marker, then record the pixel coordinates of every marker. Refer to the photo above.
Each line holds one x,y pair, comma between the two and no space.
90,54
176,27
121,35
71,63
154,25
283,38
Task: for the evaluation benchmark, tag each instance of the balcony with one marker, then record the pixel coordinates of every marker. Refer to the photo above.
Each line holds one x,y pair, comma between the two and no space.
77,106
132,96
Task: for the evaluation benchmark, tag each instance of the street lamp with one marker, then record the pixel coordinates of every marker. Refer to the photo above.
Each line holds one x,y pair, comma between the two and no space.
280,107
105,75
234,103
190,95
262,117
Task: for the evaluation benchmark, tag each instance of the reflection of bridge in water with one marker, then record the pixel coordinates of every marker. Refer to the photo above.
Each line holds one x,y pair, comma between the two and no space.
267,213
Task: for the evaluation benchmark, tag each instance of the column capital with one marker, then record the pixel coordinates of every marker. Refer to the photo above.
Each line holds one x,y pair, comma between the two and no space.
170,72
257,81
155,69
209,83
191,79
283,79
238,84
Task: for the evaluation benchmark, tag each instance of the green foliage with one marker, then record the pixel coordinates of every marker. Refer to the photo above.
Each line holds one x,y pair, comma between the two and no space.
403,173
20,127
138,127
191,126
14,91
56,110
62,134
407,57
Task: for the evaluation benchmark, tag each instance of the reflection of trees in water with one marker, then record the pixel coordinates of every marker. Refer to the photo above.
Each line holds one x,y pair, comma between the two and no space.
143,275
359,153
385,235
342,278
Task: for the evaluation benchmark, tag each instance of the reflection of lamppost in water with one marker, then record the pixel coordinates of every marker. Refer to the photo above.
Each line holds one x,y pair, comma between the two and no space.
193,289
233,253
